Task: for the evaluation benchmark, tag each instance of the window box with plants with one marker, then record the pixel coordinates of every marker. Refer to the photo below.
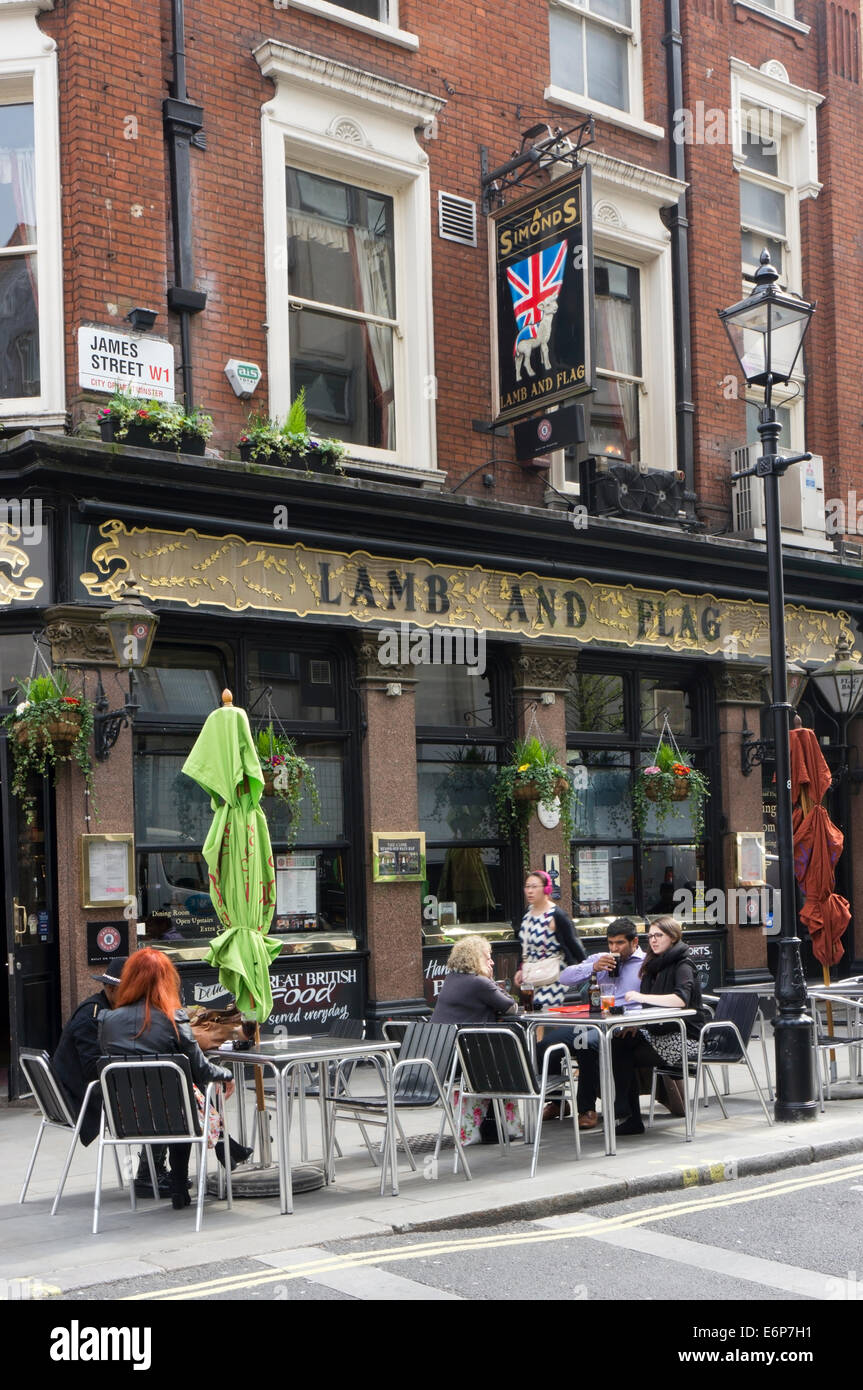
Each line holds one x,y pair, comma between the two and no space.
670,779
49,725
534,774
145,424
290,445
287,776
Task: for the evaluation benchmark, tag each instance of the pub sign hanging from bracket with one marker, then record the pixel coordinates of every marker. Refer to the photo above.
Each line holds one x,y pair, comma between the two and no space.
543,274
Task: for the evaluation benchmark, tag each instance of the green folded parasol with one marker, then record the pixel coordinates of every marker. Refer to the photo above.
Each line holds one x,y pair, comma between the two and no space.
239,857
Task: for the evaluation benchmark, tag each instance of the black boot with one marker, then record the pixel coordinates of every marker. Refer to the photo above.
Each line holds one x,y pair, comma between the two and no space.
239,1153
143,1183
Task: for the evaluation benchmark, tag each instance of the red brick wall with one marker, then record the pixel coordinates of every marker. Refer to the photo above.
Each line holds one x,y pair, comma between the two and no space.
115,257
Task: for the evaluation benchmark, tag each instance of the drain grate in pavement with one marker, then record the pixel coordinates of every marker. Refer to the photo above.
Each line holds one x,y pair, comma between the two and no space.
425,1143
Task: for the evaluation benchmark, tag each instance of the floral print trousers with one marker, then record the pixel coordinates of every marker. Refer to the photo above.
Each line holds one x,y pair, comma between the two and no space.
470,1112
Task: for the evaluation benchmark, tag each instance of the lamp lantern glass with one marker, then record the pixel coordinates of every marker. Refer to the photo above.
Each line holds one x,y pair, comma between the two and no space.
840,681
131,628
796,680
767,328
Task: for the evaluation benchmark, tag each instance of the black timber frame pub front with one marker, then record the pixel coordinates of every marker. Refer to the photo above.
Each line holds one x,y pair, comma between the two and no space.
284,587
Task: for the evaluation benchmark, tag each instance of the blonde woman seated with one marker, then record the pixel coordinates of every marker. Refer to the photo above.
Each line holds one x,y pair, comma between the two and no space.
470,995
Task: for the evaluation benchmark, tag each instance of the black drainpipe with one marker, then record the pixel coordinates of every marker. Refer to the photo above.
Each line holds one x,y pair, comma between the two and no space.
183,127
678,225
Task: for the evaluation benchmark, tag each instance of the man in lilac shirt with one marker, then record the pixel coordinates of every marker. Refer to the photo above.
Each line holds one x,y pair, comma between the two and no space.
623,949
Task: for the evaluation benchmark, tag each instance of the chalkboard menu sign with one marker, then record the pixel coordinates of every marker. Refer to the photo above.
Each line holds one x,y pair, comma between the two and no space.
307,998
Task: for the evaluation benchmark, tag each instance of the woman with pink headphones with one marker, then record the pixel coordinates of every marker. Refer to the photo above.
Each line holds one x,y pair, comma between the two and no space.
548,942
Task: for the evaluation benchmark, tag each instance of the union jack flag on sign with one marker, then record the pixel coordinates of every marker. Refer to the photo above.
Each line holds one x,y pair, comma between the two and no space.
531,282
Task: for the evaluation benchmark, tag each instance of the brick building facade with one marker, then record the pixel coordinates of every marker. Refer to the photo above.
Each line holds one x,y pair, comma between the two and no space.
319,140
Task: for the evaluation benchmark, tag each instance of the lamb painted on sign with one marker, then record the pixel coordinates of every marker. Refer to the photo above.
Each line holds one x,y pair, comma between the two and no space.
536,336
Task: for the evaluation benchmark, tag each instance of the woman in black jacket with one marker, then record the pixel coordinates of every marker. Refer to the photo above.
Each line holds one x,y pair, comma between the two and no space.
547,936
147,1019
670,980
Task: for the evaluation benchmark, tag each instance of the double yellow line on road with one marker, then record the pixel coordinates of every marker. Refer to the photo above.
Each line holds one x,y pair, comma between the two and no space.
356,1260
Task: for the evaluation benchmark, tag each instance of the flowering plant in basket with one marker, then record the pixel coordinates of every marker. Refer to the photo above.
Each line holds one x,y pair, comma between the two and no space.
290,444
287,776
165,422
533,774
669,779
49,725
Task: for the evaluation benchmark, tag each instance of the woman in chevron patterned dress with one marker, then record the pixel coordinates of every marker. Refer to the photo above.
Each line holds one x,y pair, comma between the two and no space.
546,933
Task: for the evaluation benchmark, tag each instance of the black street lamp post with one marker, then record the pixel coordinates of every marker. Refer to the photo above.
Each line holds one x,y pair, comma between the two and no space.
766,331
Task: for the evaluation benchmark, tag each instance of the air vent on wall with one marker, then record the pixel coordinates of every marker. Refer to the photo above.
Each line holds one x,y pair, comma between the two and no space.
456,218
320,673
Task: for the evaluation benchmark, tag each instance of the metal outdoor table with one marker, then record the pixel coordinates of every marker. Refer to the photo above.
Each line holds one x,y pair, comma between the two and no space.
605,1026
282,1056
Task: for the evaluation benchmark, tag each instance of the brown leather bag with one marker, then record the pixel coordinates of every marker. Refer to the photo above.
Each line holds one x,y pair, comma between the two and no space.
212,1027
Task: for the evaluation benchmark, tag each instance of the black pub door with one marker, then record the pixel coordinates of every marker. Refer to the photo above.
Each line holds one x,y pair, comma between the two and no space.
30,1007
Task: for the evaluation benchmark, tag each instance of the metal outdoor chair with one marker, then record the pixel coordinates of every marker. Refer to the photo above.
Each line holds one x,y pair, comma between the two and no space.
151,1102
426,1056
723,1043
304,1080
710,1001
56,1114
837,1022
496,1065
394,1029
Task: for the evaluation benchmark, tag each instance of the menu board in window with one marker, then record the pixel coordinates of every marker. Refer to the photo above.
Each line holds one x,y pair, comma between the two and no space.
594,881
296,892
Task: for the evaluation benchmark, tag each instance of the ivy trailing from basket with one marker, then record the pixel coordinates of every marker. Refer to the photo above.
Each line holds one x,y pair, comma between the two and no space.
49,725
670,779
287,776
534,774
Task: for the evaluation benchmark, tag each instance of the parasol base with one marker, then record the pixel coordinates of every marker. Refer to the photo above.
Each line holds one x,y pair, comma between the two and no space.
845,1090
254,1181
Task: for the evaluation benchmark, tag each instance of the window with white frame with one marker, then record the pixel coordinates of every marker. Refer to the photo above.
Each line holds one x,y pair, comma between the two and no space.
630,415
31,293
768,208
341,286
379,18
783,9
19,267
589,44
774,149
775,154
613,430
348,254
372,9
595,60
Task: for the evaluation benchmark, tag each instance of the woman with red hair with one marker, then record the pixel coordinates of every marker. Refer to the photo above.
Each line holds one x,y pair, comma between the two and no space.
147,1018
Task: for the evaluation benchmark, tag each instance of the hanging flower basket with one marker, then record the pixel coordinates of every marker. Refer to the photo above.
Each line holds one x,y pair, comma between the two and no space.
532,791
533,774
679,790
270,772
48,726
286,775
670,778
61,732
